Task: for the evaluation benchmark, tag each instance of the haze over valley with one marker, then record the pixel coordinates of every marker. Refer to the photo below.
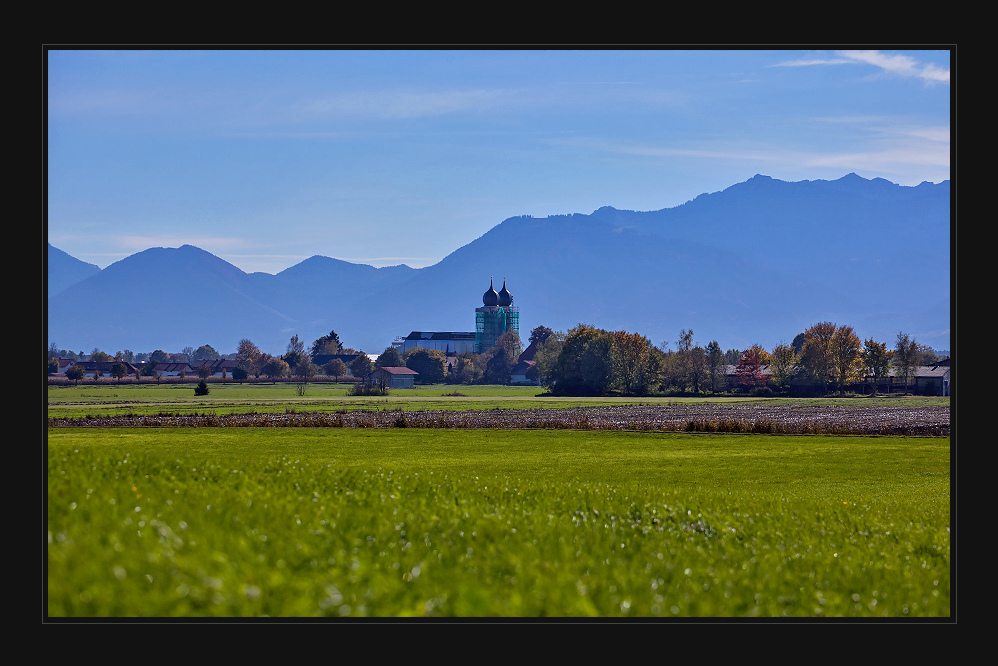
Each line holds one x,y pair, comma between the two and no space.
757,262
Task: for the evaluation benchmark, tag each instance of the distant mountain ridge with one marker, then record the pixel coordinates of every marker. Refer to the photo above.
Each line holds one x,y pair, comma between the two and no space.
757,262
65,270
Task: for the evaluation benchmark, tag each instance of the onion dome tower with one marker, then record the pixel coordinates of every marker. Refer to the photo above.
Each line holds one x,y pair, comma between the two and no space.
505,298
491,298
496,316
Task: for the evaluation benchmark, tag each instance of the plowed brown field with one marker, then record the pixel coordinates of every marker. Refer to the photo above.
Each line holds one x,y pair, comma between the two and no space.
934,421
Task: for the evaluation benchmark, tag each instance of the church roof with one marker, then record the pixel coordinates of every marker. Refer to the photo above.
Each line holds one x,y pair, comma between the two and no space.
490,297
505,298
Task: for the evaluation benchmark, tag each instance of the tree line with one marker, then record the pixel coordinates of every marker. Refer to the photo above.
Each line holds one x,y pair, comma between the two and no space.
826,357
587,361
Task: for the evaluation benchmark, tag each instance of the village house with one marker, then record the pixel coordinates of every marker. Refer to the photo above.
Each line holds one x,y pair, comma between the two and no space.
523,364
171,369
218,367
928,380
104,367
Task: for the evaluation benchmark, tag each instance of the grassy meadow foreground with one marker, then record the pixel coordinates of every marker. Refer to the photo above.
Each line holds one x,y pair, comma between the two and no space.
247,522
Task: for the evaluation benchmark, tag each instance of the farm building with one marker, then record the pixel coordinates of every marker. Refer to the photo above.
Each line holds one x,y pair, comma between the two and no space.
392,377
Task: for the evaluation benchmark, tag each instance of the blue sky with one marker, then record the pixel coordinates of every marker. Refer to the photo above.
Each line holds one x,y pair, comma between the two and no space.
266,158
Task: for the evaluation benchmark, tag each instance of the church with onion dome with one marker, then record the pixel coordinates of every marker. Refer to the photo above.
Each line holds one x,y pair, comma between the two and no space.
496,316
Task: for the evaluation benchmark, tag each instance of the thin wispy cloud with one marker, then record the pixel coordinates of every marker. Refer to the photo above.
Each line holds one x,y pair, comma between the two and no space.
940,134
895,160
806,62
900,65
893,151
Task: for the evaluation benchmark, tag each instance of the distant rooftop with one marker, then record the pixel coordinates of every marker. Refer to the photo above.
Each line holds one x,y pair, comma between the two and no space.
441,335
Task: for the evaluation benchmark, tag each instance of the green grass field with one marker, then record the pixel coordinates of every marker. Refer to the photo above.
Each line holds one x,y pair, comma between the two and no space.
405,522
234,398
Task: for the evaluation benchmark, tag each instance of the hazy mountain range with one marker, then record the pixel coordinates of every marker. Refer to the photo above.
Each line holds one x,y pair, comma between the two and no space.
755,263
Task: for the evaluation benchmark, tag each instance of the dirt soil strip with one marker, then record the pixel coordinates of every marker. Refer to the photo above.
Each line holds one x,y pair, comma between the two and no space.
934,421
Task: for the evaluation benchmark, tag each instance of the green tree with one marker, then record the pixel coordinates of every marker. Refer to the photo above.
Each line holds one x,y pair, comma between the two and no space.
240,373
204,371
361,366
390,358
429,363
202,388
247,352
336,369
634,371
256,367
905,359
585,364
844,356
671,373
798,343
469,369
502,358
205,353
815,355
75,373
294,352
118,371
539,334
98,356
305,372
876,359
783,364
597,362
691,363
275,368
546,357
327,344
927,355
715,366
159,356
682,359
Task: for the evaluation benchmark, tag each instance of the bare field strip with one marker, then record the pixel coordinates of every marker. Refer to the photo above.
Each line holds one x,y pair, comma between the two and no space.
931,421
